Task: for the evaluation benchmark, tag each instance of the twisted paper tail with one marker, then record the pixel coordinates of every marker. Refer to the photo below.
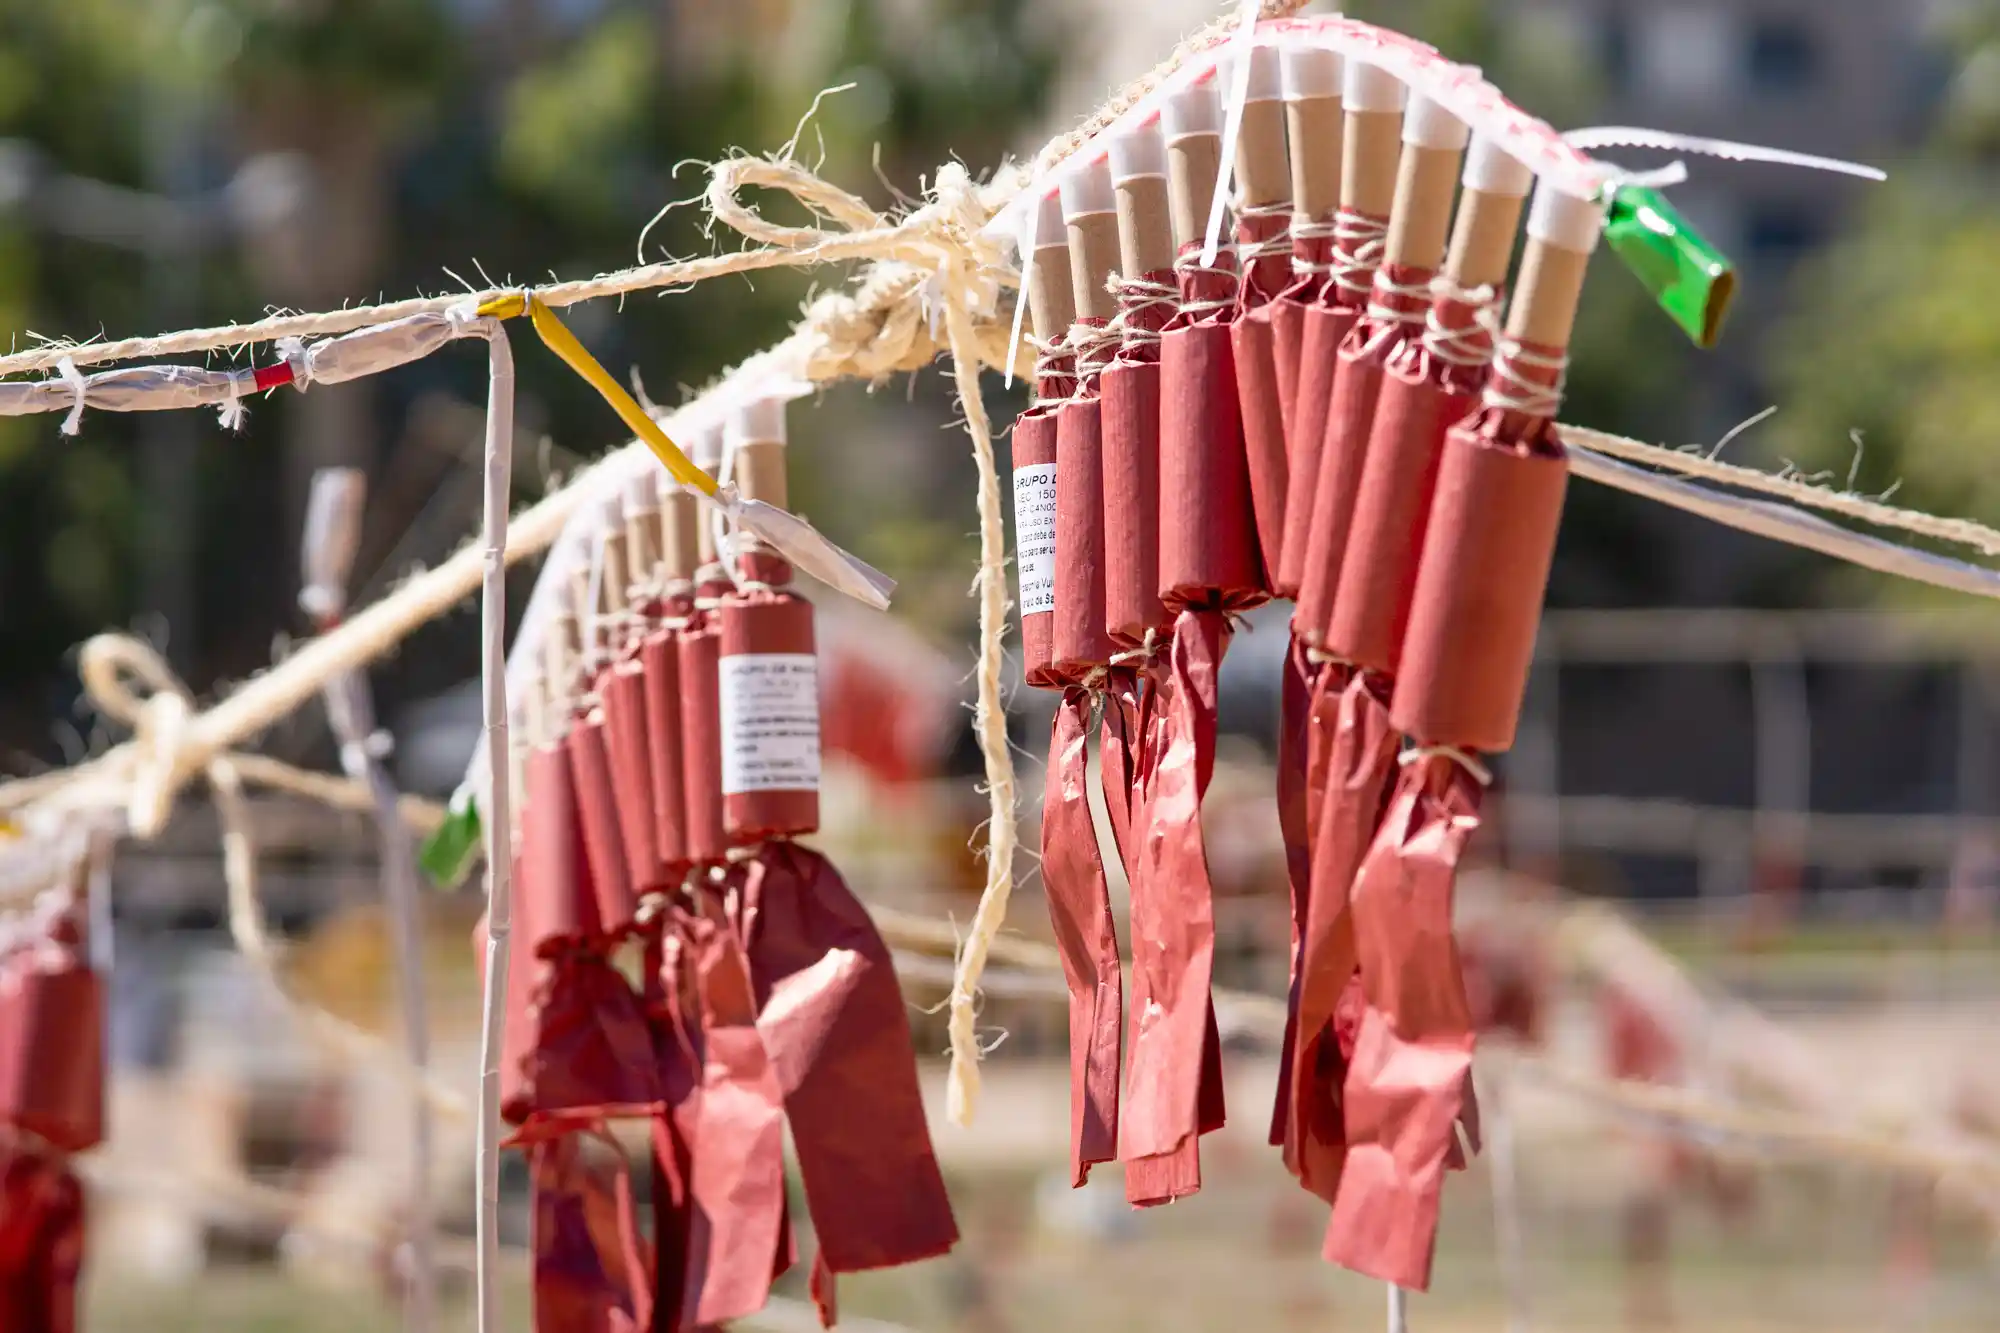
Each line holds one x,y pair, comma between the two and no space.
1173,1080
1295,827
1410,1080
1080,909
1359,768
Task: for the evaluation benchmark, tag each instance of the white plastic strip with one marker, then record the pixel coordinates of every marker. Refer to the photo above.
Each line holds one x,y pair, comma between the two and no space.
1235,94
1792,526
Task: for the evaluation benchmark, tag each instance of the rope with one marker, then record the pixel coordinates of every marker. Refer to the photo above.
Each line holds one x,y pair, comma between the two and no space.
106,664
1847,504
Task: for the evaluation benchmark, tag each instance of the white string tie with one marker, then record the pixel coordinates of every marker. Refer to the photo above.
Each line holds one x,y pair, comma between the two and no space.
1510,389
1465,759
79,386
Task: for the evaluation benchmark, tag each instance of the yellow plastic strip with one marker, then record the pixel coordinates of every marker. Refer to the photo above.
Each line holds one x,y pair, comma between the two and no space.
563,343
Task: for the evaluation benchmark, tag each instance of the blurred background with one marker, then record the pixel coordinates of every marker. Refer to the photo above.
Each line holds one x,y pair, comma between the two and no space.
1786,770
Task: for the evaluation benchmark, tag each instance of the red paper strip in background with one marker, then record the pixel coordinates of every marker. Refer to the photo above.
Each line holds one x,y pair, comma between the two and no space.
832,1016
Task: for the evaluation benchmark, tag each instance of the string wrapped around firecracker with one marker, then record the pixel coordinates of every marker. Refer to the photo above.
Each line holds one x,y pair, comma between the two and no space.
1073,878
1483,567
829,1008
1350,746
1263,207
1210,569
51,1106
1129,391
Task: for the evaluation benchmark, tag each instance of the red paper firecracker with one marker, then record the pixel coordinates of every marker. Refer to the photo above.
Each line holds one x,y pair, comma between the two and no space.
1052,310
1210,567
1073,876
1346,702
1488,544
1309,721
1310,77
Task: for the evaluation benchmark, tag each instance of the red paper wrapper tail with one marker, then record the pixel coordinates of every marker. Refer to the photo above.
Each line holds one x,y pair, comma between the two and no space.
769,696
672,1012
1358,774
660,667
1350,418
701,738
589,748
52,1039
832,1016
1294,824
737,1232
1086,937
1487,550
590,1274
41,1241
1412,1066
1173,1086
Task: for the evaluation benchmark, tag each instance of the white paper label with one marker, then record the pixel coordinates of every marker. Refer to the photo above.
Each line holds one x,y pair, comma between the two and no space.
1035,536
770,722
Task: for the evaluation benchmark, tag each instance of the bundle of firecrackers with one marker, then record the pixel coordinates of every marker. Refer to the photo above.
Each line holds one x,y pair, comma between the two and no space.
1347,404
52,1065
679,959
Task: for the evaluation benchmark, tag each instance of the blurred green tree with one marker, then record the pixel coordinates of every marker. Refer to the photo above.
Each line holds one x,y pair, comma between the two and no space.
1886,372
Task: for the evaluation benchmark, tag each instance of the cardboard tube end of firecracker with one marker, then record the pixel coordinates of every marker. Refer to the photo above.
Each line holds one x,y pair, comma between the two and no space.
1479,590
642,525
1193,121
1562,231
680,533
1145,225
1489,213
1420,218
1308,73
1370,151
754,438
1092,221
1051,300
1263,169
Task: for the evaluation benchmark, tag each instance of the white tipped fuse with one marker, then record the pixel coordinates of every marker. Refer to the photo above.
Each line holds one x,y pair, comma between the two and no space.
1139,151
1491,169
1426,124
1196,109
1087,189
759,421
1309,72
1372,88
1565,220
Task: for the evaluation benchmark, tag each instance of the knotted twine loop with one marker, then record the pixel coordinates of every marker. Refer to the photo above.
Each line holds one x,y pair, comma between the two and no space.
937,257
73,377
1468,345
158,711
